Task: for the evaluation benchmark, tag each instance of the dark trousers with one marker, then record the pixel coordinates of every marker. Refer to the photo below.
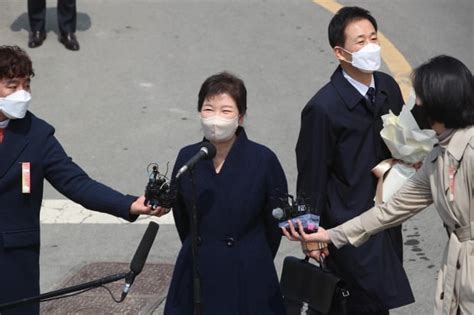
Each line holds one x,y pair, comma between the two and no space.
66,15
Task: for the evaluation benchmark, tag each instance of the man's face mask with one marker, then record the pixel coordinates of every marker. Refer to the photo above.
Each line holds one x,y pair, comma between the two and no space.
367,59
15,105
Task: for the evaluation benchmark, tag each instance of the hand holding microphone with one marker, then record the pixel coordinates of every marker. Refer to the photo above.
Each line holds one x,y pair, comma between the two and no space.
160,192
139,207
293,210
314,245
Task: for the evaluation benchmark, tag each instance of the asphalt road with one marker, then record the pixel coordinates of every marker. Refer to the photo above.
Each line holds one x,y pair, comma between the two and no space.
128,98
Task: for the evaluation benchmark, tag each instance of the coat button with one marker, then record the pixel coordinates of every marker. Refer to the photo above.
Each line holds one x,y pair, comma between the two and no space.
229,242
441,296
199,241
458,265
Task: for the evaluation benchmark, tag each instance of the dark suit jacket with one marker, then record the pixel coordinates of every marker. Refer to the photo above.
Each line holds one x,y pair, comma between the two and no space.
338,145
238,236
32,140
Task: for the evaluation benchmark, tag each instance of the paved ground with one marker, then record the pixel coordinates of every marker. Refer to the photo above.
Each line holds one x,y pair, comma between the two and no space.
128,97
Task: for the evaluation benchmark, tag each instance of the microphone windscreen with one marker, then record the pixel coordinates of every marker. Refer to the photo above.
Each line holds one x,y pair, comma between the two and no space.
278,213
144,247
211,150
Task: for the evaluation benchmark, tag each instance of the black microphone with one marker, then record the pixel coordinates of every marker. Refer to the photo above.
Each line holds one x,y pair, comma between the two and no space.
207,152
138,260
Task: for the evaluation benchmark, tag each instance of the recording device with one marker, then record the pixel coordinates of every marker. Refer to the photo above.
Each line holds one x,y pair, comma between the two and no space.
206,152
159,191
294,210
138,260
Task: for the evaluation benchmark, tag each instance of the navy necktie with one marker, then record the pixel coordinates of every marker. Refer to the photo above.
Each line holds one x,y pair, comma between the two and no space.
371,96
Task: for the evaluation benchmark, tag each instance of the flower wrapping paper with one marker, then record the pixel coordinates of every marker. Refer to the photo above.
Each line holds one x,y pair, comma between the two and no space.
408,143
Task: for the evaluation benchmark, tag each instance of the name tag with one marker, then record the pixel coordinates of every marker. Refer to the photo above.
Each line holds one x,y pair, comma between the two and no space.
25,177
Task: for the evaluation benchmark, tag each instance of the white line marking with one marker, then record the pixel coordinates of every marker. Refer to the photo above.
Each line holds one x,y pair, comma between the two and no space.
66,211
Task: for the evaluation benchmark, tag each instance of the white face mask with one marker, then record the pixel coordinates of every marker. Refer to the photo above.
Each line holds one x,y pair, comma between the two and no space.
218,129
367,59
15,105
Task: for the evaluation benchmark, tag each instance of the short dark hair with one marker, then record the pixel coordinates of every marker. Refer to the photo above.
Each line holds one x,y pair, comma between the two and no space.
339,22
445,87
14,63
228,83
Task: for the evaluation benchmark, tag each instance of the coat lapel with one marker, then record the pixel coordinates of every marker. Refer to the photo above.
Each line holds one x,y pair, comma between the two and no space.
235,153
346,91
459,142
381,92
352,97
14,143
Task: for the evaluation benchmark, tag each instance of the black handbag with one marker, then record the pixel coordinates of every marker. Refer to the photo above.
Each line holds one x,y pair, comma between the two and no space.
310,289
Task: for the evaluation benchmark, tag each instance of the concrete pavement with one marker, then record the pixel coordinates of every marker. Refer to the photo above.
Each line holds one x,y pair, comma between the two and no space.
128,97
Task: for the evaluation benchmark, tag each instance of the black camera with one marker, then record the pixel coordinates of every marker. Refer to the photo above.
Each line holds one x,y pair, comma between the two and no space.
159,191
294,210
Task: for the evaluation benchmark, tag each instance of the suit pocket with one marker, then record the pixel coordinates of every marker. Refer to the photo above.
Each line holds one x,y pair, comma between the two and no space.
21,238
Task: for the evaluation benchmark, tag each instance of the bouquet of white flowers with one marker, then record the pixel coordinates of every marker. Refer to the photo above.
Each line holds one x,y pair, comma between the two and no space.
408,145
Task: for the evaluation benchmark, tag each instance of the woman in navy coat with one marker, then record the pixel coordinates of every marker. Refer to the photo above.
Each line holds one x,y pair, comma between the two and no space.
235,192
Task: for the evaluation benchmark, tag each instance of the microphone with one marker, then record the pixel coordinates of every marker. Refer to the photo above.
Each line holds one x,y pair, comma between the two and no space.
138,260
278,213
206,152
295,210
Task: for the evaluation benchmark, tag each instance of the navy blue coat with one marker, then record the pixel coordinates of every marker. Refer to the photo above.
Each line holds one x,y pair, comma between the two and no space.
238,236
32,140
338,145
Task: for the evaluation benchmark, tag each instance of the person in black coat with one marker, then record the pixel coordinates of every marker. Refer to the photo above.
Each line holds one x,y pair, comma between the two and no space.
29,153
235,192
67,21
338,145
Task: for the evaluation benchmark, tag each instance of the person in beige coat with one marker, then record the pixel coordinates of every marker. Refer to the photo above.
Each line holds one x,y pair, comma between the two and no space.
444,88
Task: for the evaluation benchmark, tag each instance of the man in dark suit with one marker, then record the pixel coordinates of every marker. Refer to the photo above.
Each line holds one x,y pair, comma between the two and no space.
66,22
29,153
338,145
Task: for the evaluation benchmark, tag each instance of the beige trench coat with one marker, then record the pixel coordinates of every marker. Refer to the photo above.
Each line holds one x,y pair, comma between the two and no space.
447,180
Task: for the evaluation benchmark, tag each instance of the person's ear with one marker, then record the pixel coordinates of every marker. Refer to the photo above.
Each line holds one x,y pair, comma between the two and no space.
341,54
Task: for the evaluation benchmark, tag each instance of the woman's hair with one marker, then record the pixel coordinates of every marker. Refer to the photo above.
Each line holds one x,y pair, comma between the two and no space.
445,87
14,63
227,83
343,17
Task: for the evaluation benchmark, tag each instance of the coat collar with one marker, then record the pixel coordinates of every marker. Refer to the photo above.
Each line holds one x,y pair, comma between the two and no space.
458,143
349,93
239,143
235,152
14,142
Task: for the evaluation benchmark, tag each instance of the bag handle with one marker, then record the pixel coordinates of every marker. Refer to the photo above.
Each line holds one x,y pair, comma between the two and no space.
322,262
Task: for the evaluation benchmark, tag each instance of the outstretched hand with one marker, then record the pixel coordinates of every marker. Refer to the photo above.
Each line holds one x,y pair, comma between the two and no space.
318,240
293,235
138,207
